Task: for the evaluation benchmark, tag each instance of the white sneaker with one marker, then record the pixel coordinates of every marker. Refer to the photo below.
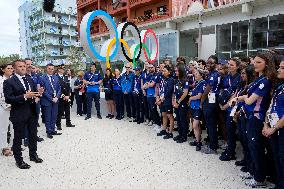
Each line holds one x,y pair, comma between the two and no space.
125,119
150,123
224,146
131,119
254,184
246,175
156,127
146,122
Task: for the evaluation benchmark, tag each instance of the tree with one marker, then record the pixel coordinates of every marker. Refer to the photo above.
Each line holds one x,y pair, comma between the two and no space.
77,59
9,58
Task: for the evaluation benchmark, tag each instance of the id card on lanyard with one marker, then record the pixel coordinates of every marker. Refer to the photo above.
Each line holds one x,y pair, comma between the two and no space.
273,117
52,86
212,98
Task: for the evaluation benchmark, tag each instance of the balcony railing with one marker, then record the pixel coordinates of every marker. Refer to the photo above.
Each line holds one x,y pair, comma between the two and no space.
82,3
153,17
133,3
118,7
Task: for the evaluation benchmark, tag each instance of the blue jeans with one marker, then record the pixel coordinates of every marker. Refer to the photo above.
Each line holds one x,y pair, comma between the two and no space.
209,111
90,97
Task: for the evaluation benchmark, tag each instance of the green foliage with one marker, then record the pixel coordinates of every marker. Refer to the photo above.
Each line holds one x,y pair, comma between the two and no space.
8,59
77,59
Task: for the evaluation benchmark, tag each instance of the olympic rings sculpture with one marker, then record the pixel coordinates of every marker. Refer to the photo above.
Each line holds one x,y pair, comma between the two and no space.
116,43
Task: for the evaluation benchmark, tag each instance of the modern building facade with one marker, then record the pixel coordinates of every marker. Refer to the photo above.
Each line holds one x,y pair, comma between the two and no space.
48,37
197,28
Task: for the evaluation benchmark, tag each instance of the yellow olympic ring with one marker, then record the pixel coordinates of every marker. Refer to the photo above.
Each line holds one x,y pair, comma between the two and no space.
111,45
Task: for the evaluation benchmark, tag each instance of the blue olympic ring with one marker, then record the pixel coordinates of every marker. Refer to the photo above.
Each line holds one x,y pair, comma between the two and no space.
90,43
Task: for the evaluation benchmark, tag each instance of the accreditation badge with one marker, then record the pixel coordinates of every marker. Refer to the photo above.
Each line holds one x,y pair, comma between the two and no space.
212,98
80,93
233,112
273,119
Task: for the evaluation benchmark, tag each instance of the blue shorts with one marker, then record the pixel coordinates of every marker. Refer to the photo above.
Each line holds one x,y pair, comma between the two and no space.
196,114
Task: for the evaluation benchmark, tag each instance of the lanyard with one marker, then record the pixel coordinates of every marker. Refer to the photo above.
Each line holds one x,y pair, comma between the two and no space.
116,80
136,78
91,77
198,83
51,82
277,93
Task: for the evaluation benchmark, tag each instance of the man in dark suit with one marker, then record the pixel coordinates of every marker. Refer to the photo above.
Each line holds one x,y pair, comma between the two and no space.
21,93
35,78
64,100
49,99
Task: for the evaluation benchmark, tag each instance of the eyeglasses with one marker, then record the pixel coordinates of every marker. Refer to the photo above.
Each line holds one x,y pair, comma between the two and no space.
127,67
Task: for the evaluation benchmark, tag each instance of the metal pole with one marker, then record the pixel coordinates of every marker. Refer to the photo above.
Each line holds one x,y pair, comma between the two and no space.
200,34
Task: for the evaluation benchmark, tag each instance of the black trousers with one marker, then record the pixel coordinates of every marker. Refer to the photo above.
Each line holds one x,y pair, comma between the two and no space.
138,106
146,108
118,99
19,131
63,107
154,115
182,120
128,101
81,101
72,98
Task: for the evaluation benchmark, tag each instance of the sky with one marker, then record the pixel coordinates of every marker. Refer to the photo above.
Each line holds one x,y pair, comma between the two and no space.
9,32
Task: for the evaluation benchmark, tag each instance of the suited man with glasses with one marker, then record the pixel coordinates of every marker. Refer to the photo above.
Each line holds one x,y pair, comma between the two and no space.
21,92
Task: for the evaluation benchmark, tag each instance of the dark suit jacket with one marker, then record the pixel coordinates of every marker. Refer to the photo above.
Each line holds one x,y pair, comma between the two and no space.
65,85
46,99
14,91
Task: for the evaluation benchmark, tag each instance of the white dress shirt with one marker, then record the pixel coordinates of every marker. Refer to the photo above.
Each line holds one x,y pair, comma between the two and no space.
22,81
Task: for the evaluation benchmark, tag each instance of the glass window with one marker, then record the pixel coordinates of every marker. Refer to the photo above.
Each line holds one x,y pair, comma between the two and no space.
224,37
168,46
258,33
240,36
276,31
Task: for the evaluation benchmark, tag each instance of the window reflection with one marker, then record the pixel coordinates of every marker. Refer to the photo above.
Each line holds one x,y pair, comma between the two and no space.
168,46
258,31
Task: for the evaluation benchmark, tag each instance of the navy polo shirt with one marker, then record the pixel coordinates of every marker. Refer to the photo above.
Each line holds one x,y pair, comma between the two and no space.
167,90
116,83
137,83
93,77
198,88
151,90
180,86
261,87
214,81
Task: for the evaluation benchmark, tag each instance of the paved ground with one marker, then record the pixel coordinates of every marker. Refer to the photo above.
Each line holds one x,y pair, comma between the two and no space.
117,154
